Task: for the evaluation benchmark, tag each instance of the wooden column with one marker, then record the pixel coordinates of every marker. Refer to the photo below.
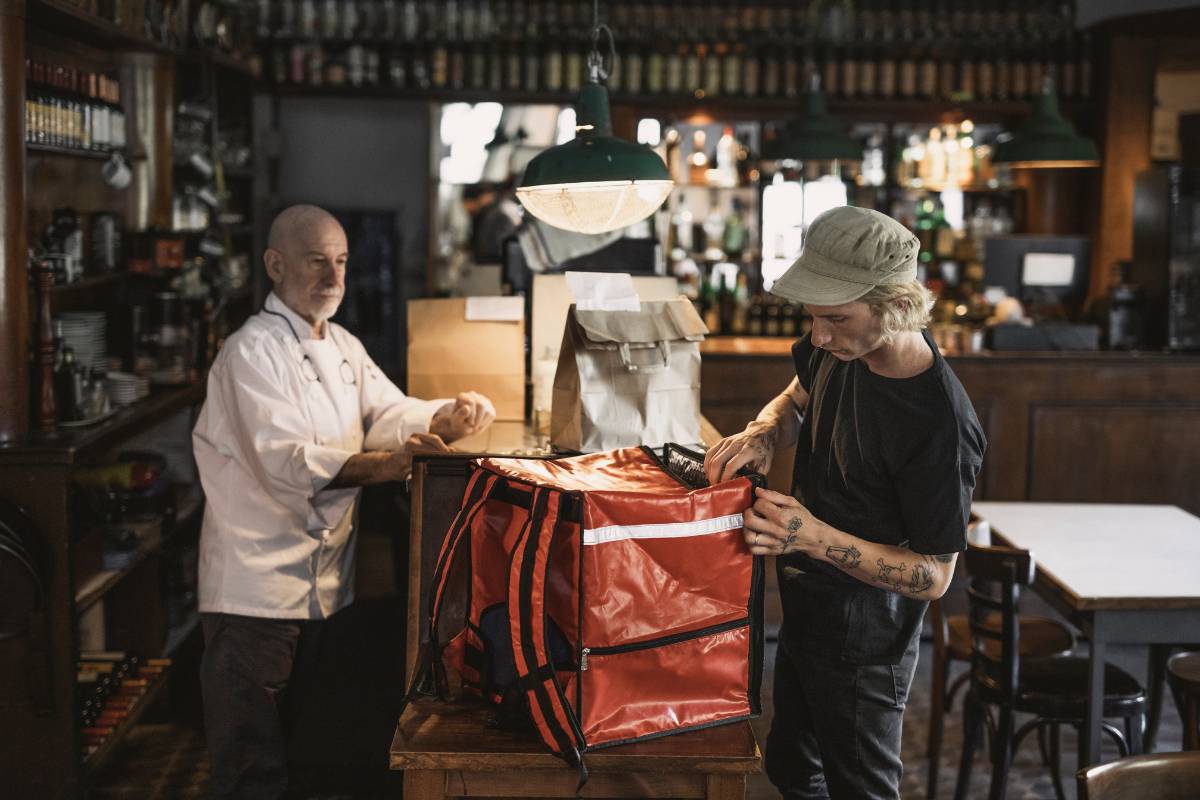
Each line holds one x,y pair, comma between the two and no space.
1125,150
14,282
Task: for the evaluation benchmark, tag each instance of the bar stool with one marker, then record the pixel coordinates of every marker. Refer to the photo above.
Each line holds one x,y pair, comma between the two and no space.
1183,673
1163,776
1040,637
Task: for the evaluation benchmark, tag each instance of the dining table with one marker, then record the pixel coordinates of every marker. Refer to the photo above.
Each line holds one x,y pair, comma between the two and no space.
1122,573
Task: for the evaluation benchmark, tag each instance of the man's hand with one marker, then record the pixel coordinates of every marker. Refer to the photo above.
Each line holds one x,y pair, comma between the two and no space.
779,524
381,466
470,413
753,447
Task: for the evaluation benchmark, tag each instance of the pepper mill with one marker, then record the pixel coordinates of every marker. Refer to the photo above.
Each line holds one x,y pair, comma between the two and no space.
47,413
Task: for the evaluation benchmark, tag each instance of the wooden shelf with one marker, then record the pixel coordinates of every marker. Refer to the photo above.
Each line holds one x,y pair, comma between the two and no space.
101,757
63,18
100,583
88,284
69,446
73,152
218,58
731,107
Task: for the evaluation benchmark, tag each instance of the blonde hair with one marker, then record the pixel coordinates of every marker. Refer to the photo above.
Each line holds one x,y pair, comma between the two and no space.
900,307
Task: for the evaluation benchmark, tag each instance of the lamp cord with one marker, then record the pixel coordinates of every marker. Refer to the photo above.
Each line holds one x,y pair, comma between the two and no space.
598,70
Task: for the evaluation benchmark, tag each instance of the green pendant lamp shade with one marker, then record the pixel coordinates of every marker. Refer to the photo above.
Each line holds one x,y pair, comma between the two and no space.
596,182
816,136
1046,140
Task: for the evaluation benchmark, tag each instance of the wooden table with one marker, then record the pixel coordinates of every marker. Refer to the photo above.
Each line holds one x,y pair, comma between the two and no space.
449,750
1123,573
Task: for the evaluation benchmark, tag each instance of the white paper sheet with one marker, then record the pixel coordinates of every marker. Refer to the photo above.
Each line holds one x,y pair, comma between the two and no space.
495,309
603,291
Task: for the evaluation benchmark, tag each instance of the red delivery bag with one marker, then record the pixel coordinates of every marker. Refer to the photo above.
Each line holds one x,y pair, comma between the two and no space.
600,599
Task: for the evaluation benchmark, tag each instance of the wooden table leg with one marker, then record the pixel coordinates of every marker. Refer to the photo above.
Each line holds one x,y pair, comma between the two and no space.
424,784
726,787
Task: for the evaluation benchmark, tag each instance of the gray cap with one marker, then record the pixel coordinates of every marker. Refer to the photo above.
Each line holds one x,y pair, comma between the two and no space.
847,252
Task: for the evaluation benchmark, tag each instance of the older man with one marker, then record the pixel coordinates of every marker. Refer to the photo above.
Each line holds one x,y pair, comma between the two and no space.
296,419
887,451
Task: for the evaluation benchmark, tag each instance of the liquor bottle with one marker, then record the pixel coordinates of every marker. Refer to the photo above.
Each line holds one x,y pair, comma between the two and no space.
117,118
1068,69
736,234
732,70
830,73
772,71
713,54
740,318
552,54
850,79
656,66
693,73
792,70
1085,66
635,67
751,73
906,67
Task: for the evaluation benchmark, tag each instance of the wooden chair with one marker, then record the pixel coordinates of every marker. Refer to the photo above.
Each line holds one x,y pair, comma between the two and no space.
1053,689
1183,673
1040,637
1162,776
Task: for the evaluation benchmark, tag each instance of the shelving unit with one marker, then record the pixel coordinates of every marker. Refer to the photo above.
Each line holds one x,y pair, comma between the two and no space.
47,759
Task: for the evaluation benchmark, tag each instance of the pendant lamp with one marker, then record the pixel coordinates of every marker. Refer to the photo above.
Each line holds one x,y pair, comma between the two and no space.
596,182
1046,140
816,136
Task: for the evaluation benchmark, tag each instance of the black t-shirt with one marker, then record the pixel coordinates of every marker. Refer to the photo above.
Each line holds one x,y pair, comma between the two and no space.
888,460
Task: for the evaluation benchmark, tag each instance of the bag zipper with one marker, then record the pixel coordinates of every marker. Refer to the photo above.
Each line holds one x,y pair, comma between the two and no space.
674,638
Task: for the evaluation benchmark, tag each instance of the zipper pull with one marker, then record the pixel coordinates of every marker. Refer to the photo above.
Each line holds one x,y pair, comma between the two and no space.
583,657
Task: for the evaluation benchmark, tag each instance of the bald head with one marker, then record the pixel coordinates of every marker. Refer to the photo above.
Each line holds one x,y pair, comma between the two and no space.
297,223
306,259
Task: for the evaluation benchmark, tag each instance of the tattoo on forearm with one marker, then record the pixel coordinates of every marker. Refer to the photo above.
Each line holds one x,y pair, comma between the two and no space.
845,557
891,574
921,579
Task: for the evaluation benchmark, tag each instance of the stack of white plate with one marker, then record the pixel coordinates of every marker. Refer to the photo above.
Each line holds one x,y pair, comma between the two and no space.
83,332
124,388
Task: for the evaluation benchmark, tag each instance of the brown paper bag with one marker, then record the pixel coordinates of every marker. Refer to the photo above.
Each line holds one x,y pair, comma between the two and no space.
448,354
628,378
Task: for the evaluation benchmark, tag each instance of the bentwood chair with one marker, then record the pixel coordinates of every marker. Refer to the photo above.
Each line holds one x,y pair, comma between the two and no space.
1040,637
1053,689
1183,673
1162,776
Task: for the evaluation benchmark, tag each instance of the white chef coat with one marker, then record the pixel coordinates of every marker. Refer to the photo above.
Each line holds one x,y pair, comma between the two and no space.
283,413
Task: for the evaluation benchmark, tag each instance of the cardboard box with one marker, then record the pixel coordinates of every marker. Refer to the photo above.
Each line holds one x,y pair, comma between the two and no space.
475,344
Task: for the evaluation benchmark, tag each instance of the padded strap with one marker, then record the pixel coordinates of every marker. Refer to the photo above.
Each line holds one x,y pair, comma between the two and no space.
479,489
552,714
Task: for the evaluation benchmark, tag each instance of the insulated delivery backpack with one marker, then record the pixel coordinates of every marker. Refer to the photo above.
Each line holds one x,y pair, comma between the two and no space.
599,599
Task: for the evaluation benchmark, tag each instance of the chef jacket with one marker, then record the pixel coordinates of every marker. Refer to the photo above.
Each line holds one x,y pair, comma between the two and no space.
282,415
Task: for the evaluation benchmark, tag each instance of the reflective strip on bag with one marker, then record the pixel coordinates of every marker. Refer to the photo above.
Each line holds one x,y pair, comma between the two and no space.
669,530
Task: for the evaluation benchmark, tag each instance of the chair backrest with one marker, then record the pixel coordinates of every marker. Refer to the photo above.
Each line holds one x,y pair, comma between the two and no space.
1163,776
996,574
1183,674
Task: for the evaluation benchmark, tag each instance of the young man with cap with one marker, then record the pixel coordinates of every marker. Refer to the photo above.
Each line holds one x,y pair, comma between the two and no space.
887,451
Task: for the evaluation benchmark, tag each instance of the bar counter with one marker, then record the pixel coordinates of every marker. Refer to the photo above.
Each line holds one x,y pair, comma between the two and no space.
1118,427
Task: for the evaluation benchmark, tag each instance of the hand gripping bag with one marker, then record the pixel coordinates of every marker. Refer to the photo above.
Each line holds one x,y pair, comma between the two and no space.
600,599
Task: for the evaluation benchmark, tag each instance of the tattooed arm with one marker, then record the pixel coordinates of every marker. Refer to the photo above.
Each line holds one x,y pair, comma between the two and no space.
777,425
779,524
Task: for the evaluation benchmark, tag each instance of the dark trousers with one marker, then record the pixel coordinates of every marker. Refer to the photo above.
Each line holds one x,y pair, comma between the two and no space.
254,674
836,730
